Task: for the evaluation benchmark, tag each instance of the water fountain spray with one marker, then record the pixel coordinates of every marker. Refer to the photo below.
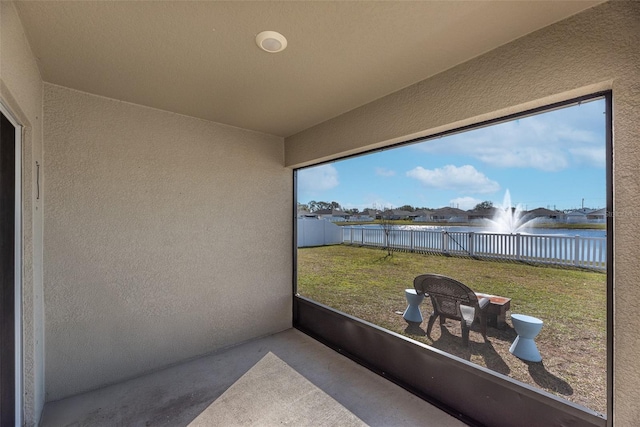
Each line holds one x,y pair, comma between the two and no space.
508,219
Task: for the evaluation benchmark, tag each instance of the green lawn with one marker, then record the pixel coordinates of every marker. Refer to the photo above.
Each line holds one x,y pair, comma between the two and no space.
572,303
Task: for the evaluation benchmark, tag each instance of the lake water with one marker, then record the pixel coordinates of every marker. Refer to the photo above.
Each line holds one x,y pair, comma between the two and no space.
466,229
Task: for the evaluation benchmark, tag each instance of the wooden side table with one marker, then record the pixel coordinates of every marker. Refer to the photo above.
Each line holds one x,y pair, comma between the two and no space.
497,310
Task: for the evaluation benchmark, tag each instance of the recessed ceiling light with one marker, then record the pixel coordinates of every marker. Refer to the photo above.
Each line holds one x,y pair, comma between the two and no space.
271,41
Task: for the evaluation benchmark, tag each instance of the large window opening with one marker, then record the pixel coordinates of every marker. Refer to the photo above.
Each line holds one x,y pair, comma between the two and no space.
517,210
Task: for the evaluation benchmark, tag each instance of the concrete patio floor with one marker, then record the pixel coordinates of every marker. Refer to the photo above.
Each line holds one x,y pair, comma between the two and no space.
284,379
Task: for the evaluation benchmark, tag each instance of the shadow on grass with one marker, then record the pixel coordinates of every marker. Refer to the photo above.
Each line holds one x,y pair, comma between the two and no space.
384,258
547,380
452,344
507,334
415,329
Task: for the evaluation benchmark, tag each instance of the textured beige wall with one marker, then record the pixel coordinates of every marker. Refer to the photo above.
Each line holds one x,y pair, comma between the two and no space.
597,49
21,92
166,237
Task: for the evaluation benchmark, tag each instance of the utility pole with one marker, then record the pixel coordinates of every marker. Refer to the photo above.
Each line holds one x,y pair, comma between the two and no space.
583,203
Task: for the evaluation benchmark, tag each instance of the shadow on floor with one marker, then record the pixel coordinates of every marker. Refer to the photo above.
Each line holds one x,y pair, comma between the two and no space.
286,378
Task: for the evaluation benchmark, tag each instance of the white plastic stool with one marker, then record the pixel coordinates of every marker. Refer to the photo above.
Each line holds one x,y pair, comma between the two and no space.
412,313
527,328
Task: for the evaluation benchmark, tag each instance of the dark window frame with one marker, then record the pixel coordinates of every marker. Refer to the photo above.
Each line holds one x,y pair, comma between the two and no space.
12,131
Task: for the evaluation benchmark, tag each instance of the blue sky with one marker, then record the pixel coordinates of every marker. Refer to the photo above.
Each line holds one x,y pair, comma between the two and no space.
553,160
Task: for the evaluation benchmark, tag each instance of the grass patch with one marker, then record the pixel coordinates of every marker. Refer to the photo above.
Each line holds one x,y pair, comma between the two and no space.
364,283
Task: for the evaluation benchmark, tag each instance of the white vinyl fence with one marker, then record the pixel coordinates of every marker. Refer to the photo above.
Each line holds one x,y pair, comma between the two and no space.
318,232
584,252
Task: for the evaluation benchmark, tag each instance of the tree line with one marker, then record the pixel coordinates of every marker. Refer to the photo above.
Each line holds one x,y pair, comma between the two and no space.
314,206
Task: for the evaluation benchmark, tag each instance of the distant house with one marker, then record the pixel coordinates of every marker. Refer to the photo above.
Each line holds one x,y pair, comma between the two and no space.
333,215
362,216
413,215
477,215
545,215
449,215
598,217
302,213
584,211
578,216
373,213
386,214
423,215
399,214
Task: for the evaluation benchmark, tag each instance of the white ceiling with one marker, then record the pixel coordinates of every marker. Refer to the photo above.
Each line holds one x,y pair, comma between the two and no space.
201,59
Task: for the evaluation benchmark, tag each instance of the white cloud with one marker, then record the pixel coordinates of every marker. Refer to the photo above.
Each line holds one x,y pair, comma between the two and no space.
550,142
464,178
317,179
591,156
385,172
525,157
464,203
371,201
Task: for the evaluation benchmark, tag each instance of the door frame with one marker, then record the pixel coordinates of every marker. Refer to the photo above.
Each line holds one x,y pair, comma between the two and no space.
18,353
